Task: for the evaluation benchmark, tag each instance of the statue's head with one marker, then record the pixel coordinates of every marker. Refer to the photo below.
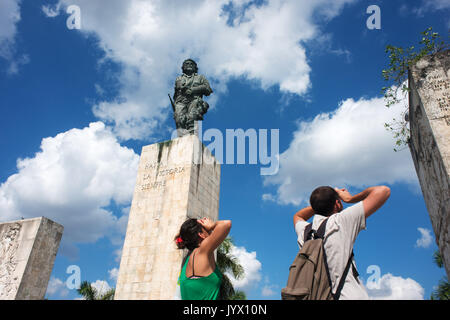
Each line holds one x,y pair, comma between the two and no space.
189,66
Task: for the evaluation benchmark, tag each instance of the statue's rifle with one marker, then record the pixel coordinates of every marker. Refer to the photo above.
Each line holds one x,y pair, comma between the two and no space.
171,102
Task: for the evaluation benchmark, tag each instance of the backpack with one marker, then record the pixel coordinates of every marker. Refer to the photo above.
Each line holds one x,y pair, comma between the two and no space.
309,277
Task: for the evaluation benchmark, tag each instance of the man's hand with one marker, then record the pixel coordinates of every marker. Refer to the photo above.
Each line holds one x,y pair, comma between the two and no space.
373,198
344,195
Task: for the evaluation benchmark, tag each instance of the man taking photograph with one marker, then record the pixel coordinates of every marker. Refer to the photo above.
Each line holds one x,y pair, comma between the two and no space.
341,230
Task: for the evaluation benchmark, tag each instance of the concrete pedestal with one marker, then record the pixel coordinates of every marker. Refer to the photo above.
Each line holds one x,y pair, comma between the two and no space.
177,179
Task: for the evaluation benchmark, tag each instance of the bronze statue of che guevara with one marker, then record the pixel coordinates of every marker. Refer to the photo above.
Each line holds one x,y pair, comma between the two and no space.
188,105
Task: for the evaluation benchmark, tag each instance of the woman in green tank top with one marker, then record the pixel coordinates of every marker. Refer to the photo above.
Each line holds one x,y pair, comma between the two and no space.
200,278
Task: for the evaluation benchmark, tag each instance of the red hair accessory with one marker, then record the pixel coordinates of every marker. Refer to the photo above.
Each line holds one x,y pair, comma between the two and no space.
179,240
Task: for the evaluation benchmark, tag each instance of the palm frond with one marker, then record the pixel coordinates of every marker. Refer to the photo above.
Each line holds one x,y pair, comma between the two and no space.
226,288
87,291
109,295
228,263
442,292
238,295
437,258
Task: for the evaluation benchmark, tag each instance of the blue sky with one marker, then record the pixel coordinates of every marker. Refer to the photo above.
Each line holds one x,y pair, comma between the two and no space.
77,106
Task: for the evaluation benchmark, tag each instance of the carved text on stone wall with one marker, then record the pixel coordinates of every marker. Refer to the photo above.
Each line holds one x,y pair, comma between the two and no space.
440,86
155,171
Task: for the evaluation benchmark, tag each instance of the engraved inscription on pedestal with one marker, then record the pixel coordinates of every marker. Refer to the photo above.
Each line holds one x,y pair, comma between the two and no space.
437,85
156,176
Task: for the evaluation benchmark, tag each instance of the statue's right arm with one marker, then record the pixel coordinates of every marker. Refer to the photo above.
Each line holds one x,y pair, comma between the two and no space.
177,89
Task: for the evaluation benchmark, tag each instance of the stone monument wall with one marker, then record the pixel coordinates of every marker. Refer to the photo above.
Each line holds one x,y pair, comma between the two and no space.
27,252
429,113
176,179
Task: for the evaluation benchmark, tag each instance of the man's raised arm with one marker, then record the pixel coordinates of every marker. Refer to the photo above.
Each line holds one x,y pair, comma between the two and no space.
303,215
373,198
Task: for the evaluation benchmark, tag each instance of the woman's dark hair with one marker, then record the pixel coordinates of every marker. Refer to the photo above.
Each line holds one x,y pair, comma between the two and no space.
322,200
188,237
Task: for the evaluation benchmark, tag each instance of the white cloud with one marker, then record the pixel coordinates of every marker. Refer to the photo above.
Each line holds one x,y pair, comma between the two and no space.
323,45
391,287
425,239
113,274
117,255
9,17
268,291
101,287
427,6
51,11
435,4
16,63
347,147
268,197
229,39
56,287
71,180
252,269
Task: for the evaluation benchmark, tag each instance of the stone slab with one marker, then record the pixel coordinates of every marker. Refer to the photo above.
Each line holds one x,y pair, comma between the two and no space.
27,253
429,114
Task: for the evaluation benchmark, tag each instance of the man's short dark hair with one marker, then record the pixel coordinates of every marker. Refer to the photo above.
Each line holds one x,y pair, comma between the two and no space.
322,200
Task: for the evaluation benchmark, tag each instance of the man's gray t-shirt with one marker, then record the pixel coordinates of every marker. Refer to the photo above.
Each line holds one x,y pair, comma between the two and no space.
340,234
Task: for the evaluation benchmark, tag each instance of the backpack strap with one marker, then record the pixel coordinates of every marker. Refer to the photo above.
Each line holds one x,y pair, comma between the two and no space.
308,232
344,276
321,231
321,234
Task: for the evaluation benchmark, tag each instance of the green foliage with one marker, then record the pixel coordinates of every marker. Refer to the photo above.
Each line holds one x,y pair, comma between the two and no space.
400,60
238,295
442,291
437,258
88,292
108,295
228,263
